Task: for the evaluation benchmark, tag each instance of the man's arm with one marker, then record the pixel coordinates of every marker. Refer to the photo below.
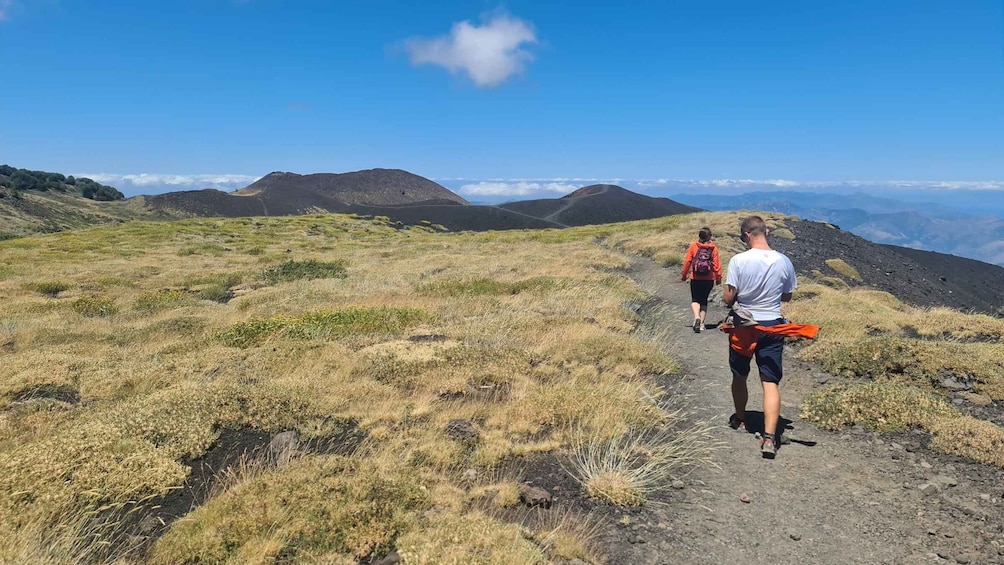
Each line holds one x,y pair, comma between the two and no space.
729,295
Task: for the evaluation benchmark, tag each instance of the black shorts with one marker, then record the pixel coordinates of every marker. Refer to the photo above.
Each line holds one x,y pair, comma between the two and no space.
700,291
769,349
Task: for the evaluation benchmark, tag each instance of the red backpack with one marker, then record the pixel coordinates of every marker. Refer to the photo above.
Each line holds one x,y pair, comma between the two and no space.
704,261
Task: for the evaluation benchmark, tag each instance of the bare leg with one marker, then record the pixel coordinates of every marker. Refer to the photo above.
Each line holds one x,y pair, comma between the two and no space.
704,313
696,309
771,407
739,396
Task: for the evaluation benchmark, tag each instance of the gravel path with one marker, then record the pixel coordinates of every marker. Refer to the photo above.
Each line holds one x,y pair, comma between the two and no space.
844,497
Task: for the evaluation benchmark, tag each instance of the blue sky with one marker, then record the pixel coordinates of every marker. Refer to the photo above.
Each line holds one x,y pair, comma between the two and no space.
153,96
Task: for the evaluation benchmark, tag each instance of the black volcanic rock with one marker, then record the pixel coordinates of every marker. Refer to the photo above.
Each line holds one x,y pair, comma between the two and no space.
921,278
373,187
599,204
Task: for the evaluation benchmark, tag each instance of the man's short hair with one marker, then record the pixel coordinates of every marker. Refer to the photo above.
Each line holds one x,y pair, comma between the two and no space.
753,225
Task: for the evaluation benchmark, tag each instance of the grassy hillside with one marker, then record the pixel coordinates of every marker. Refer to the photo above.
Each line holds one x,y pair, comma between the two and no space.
420,372
133,350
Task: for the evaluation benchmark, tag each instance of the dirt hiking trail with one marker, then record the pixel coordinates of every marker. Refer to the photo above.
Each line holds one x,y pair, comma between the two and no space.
828,497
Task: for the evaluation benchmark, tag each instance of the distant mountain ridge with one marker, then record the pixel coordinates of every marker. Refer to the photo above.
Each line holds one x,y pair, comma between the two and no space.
372,187
411,199
926,226
599,204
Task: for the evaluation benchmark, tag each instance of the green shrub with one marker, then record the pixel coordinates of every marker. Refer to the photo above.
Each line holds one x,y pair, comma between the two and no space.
51,288
325,325
843,268
877,406
95,306
216,293
672,260
304,270
158,301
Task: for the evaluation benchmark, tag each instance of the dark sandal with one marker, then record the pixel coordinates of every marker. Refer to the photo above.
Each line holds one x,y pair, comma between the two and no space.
735,423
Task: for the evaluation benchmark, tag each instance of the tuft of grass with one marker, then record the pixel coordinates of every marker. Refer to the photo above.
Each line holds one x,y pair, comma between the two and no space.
843,268
969,437
333,506
159,301
95,306
672,260
486,286
325,325
217,293
51,288
627,468
304,270
473,537
877,406
783,233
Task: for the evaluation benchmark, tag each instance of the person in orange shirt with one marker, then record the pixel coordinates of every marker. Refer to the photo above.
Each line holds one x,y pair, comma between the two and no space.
704,267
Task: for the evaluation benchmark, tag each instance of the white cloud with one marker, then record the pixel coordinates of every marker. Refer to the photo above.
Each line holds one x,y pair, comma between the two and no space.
488,54
4,9
151,183
519,188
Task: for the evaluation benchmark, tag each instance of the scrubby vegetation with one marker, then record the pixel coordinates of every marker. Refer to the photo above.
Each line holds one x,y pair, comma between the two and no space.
905,363
133,350
24,179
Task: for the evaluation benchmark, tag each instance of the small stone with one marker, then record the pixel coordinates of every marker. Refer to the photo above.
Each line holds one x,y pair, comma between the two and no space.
470,475
392,559
944,554
964,559
945,480
823,380
462,431
958,401
977,399
678,484
985,497
745,498
534,496
795,536
927,489
283,446
895,445
925,465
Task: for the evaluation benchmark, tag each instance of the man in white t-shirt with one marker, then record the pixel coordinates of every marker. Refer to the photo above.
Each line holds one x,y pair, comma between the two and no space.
758,280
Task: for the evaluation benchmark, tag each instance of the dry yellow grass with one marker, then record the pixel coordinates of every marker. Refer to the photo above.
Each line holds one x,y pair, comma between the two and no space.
116,380
133,367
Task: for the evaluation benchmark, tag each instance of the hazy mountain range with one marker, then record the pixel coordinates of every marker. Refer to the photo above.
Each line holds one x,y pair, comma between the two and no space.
967,223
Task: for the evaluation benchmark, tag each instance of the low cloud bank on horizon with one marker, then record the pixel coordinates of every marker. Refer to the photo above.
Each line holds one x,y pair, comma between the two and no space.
489,54
545,188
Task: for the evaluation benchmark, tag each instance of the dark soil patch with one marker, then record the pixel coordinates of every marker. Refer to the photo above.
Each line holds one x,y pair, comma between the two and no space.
142,526
60,393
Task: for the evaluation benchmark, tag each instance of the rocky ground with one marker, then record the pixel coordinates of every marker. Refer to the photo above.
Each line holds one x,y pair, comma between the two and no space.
920,278
828,497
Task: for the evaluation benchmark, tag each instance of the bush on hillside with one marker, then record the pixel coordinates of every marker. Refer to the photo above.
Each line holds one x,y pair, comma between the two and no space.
24,179
304,270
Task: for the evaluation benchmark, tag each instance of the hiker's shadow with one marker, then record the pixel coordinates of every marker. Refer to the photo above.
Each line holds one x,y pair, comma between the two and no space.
754,425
